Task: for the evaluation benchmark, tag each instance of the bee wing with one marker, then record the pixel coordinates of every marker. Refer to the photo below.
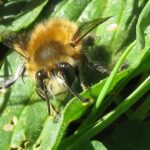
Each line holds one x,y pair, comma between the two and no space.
16,41
85,28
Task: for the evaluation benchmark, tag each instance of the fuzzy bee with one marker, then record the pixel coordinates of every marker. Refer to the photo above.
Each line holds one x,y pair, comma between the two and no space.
53,52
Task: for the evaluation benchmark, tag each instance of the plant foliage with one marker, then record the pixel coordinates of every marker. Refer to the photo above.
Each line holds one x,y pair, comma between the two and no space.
121,43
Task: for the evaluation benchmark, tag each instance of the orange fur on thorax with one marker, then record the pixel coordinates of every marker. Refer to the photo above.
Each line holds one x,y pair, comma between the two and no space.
50,43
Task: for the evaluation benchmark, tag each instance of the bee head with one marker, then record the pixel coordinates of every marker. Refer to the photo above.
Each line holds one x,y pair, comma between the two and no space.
63,73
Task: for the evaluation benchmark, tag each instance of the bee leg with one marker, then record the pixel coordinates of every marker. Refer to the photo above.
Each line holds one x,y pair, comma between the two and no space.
95,66
82,84
53,111
43,94
20,71
41,88
98,67
48,105
75,94
64,75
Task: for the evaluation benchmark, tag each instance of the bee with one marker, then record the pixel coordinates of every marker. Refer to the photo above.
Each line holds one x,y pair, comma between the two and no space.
53,52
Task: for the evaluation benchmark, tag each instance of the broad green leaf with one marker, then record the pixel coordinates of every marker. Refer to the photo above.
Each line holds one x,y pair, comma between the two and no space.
143,22
27,15
21,119
140,57
58,126
98,145
71,9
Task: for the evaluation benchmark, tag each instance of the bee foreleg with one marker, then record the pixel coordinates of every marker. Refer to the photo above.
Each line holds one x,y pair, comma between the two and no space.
41,88
20,71
63,78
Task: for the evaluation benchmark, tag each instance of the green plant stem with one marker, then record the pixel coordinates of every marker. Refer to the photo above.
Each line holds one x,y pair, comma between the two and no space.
108,83
113,115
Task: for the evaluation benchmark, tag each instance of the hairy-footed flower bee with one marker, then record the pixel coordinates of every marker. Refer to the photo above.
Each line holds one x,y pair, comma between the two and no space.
53,53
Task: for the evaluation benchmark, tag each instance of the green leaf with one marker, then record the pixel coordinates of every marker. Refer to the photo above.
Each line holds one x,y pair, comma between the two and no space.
21,118
71,9
57,126
143,22
90,145
30,12
98,145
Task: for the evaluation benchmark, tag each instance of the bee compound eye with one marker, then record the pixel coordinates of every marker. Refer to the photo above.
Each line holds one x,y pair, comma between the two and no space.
41,74
61,65
66,71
